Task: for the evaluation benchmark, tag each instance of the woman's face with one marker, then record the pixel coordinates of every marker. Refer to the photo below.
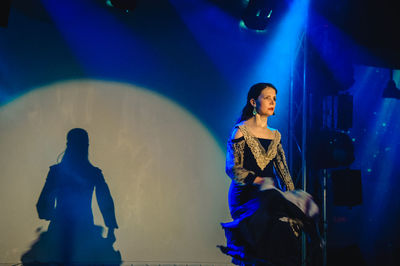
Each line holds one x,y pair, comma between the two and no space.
266,102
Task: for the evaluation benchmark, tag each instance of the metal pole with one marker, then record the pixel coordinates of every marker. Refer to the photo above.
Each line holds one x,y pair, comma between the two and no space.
304,135
291,118
304,113
324,256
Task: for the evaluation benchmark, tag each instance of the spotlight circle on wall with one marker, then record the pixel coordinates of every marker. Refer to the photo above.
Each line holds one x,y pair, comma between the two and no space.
163,167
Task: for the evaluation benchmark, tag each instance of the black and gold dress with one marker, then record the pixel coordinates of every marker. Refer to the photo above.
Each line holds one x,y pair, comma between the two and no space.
266,226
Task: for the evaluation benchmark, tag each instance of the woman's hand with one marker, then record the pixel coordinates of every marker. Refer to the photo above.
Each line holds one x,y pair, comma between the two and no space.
264,183
259,180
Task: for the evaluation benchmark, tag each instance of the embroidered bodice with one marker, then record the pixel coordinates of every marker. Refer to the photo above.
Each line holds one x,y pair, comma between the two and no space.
237,161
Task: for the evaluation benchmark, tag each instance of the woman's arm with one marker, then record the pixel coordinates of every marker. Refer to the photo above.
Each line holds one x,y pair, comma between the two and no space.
234,161
281,167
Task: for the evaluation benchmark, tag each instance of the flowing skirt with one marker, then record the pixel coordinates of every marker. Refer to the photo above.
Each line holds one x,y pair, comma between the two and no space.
269,233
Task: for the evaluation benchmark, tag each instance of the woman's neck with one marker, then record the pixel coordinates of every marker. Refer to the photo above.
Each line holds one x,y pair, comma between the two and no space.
260,121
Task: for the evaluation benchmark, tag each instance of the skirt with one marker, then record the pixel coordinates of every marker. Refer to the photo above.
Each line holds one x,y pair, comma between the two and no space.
268,234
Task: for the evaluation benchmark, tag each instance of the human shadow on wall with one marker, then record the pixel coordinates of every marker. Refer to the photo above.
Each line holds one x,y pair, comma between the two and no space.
66,201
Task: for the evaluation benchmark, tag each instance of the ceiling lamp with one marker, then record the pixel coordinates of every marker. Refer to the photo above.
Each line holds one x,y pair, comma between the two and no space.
127,5
258,13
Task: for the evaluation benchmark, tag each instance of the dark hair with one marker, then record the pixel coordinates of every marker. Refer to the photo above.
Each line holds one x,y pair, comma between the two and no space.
253,93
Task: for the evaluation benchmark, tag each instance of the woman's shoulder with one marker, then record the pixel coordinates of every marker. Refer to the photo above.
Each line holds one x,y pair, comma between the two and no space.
236,132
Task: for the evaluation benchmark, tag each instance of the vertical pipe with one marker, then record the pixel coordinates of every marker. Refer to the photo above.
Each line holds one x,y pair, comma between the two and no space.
304,134
325,177
291,118
304,112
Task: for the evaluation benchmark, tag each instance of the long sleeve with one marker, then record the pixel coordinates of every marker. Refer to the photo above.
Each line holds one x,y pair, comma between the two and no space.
106,203
281,167
47,199
234,163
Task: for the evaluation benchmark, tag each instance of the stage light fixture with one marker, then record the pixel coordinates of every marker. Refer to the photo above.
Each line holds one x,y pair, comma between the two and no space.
391,91
258,14
127,5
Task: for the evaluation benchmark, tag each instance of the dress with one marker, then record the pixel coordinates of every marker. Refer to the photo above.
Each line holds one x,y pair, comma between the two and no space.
266,226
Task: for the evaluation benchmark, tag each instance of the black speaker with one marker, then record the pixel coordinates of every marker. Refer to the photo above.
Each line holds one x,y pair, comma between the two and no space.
347,189
5,6
345,256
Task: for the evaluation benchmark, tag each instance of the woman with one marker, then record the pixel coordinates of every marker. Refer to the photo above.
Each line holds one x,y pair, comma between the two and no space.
66,201
267,221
